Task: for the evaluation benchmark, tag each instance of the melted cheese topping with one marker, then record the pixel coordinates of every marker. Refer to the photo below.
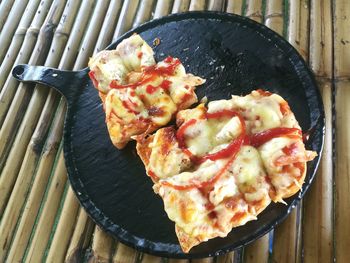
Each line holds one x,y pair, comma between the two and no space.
207,198
166,158
139,97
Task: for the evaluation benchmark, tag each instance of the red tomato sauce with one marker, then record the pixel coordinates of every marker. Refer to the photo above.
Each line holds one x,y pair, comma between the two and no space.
93,79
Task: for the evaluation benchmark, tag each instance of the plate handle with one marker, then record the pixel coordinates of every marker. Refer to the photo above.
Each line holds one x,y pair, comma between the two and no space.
66,82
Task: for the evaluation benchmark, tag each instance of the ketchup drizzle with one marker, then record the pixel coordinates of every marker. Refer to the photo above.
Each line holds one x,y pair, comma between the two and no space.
93,78
150,73
232,149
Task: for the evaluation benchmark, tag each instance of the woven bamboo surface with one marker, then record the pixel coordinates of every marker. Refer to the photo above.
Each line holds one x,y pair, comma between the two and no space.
40,218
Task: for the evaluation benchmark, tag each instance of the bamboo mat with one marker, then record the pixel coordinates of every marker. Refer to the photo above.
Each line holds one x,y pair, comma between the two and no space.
40,218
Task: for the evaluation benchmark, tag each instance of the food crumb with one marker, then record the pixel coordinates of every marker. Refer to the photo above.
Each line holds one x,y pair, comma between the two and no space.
204,99
156,41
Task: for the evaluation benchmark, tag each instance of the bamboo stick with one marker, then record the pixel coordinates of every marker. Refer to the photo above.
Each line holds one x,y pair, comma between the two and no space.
85,50
89,40
144,12
197,5
26,53
64,228
102,247
298,26
234,6
258,251
216,5
37,191
80,238
254,10
342,171
180,6
203,260
18,107
321,38
15,204
44,225
126,17
125,254
79,28
162,8
5,8
342,86
147,258
60,241
108,25
38,137
17,40
227,258
318,202
286,240
341,39
56,132
274,15
10,26
171,260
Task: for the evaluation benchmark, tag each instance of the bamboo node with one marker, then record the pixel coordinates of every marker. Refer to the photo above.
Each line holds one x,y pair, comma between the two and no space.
274,15
255,14
61,33
33,31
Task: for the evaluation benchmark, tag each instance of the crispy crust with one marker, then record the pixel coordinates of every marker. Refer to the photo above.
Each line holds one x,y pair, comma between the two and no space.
186,241
143,149
294,188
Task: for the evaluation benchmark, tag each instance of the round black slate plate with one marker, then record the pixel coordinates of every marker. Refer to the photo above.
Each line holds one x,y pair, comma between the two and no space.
235,55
